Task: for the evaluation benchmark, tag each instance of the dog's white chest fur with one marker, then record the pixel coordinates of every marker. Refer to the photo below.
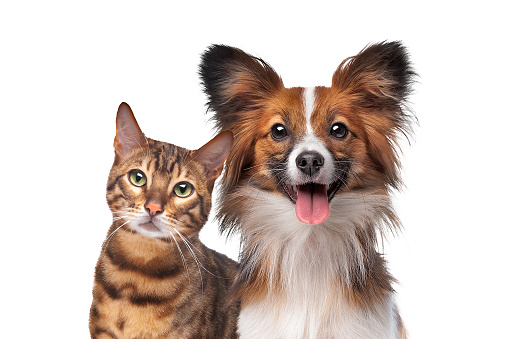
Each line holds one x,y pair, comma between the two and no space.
323,319
308,260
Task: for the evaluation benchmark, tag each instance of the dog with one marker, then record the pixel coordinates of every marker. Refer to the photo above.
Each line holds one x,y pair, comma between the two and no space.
308,184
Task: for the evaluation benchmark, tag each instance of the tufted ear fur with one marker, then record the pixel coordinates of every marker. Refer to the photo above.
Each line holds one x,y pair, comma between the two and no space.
129,135
378,82
237,84
380,76
235,81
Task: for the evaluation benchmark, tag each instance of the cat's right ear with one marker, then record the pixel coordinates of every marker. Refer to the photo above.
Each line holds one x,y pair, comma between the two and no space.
129,135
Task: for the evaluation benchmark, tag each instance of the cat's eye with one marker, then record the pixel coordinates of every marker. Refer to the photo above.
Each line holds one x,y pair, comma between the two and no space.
339,130
278,132
137,178
183,189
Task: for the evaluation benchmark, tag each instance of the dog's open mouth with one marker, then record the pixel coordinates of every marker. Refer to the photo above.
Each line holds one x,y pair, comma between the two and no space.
312,200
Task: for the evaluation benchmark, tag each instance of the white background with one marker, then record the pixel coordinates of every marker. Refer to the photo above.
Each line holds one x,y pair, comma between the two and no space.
66,66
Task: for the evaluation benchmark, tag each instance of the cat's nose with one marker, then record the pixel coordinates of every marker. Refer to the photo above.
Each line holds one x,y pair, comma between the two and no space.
153,208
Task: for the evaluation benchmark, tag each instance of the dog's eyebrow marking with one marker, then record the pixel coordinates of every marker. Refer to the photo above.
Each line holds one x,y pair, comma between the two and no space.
309,105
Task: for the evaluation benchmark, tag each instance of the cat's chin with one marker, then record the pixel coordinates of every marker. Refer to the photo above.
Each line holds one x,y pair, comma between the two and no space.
150,230
149,226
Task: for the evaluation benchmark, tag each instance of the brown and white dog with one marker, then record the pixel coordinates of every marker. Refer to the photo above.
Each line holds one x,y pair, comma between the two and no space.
308,185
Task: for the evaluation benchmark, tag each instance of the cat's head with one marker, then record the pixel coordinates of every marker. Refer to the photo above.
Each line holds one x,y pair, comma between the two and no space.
160,190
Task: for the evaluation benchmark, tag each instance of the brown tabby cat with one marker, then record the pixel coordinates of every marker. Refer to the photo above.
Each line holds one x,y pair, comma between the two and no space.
154,278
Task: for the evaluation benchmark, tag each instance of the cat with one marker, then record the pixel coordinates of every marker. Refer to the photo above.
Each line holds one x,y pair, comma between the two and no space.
154,277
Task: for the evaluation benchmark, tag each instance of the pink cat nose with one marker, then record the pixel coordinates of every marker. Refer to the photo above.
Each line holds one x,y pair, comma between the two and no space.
153,209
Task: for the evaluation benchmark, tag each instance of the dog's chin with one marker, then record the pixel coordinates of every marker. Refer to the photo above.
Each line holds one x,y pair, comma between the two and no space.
312,200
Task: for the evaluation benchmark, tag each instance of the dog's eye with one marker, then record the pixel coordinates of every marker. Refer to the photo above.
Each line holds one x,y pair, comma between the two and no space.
278,132
339,130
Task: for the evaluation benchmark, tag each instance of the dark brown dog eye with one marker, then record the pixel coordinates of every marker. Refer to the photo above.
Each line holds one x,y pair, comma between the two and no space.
278,132
339,130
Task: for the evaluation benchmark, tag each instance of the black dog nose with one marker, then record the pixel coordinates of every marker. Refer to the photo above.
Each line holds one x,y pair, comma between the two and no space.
309,162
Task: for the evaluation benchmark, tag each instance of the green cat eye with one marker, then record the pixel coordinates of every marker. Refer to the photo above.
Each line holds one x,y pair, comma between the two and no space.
183,189
137,178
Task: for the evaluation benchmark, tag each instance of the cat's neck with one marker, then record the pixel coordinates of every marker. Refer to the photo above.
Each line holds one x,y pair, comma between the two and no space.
132,250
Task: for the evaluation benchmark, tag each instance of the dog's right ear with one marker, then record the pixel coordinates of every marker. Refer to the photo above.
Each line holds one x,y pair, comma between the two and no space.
237,85
235,82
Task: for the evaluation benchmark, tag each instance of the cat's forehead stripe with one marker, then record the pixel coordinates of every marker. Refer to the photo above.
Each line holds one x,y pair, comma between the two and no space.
166,158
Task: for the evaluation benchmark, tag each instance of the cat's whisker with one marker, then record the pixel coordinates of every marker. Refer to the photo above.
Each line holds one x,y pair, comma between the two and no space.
119,217
187,241
198,263
108,239
182,256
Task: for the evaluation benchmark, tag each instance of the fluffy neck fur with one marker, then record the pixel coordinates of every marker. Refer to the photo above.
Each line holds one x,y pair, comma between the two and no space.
315,279
279,248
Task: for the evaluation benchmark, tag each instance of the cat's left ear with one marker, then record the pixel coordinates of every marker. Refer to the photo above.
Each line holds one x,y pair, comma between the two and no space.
129,135
213,154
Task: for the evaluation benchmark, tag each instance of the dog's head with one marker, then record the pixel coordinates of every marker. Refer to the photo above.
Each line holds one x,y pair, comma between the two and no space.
311,144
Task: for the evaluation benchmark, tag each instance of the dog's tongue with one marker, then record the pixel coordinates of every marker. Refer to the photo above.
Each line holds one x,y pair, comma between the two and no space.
312,205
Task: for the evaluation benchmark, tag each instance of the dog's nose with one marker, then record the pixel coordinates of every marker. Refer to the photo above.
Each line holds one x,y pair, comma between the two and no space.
309,162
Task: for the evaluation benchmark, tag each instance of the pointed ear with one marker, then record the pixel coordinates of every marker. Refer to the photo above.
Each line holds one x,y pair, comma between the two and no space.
235,82
213,154
379,77
379,80
129,135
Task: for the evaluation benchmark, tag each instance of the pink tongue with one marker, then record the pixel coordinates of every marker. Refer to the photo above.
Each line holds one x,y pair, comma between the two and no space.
312,205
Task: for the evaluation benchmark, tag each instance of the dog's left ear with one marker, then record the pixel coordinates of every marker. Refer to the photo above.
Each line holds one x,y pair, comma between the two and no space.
380,76
379,80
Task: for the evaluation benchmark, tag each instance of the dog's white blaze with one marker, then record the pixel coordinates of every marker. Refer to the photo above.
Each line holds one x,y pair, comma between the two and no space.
309,104
308,260
310,142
